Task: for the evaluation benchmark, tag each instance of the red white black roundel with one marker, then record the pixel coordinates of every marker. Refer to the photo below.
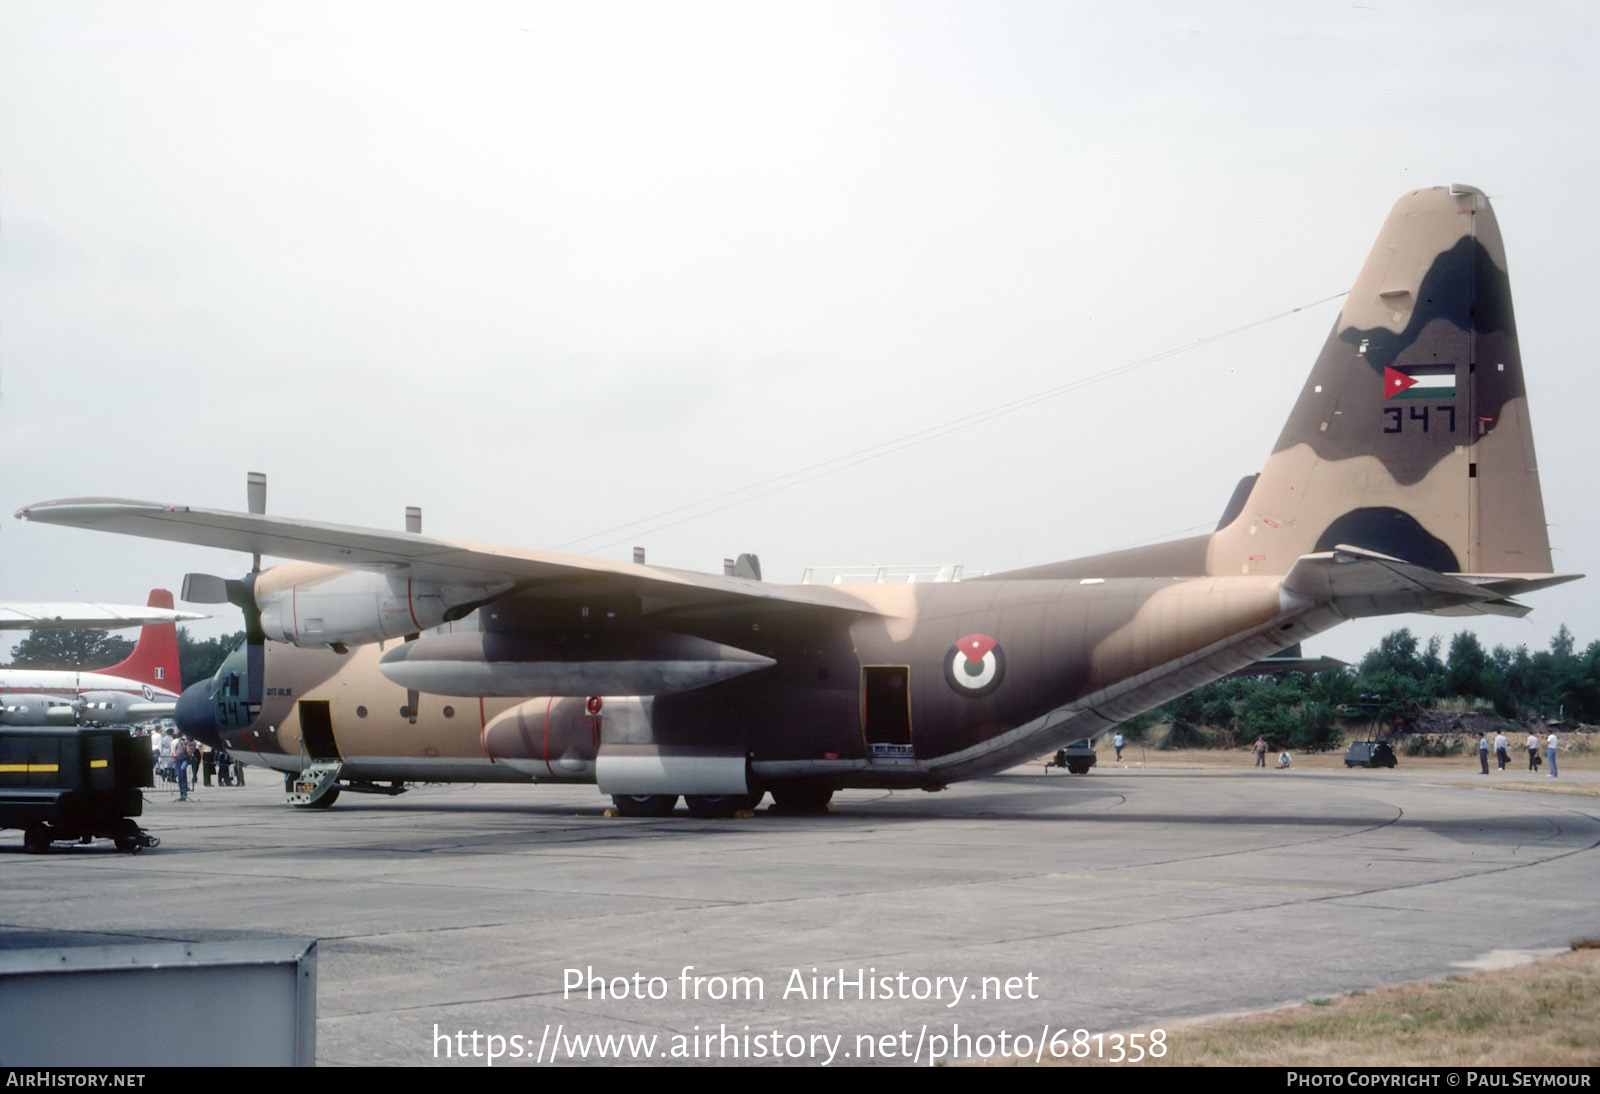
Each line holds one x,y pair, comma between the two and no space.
975,666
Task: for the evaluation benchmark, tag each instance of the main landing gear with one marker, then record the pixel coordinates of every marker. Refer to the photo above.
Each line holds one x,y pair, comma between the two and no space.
802,798
720,805
794,798
644,805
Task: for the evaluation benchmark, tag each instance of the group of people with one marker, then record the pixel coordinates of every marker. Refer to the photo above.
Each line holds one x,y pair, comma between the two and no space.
1262,748
181,760
1502,751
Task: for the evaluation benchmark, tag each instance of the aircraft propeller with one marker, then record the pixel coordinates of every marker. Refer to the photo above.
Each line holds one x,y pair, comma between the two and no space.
210,589
240,592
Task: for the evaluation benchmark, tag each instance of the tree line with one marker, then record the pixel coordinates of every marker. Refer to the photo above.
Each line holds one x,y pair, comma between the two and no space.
1397,679
1395,682
77,650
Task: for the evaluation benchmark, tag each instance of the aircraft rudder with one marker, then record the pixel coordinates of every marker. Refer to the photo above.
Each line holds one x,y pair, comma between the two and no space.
154,659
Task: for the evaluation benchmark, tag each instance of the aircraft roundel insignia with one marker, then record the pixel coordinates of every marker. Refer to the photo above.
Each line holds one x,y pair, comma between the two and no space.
975,666
149,694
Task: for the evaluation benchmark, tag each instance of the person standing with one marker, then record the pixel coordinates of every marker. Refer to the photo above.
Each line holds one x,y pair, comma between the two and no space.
1533,752
1483,751
1261,752
1502,753
164,763
1117,743
180,763
1550,752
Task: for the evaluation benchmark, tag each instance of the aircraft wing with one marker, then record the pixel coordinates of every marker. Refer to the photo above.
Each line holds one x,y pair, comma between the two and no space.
91,616
429,558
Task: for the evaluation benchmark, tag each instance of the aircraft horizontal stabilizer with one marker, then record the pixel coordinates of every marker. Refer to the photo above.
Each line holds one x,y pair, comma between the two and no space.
1358,582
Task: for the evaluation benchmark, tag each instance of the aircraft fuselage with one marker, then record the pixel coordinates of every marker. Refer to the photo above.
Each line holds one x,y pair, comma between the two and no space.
884,698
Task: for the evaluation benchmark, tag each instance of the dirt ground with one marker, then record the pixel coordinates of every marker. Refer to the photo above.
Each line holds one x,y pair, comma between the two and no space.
1577,760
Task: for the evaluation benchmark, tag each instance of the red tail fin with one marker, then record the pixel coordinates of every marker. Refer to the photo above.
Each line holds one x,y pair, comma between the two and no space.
154,659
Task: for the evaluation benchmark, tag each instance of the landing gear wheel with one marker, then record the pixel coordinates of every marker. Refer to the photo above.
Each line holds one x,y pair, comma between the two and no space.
719,805
803,798
36,839
644,805
324,802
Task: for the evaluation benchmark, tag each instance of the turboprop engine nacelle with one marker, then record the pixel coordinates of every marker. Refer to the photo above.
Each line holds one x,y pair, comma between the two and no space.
321,606
557,739
34,710
113,707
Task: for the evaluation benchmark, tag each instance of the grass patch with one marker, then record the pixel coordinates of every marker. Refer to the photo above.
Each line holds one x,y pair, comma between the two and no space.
1548,786
1542,1015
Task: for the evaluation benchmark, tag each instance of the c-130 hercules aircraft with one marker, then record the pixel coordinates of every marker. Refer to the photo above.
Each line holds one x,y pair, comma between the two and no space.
1404,481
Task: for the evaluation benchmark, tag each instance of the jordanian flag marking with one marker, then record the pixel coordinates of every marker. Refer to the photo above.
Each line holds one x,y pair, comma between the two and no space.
1419,382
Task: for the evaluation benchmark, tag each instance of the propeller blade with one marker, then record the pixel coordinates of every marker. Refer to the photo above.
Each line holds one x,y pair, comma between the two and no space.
204,589
256,496
256,488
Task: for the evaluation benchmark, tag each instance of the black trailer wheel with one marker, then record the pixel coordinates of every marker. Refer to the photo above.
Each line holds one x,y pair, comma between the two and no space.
128,844
36,838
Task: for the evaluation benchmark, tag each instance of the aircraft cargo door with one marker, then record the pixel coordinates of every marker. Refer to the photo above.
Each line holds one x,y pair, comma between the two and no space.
886,713
316,730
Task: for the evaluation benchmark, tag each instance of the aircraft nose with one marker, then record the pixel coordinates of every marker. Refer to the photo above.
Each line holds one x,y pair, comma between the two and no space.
196,714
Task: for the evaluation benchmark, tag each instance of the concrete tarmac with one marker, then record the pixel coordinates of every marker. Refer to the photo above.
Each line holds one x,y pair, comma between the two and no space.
1028,903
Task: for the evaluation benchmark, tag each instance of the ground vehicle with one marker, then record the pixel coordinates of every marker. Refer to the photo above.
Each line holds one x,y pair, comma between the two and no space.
74,784
1370,754
1078,757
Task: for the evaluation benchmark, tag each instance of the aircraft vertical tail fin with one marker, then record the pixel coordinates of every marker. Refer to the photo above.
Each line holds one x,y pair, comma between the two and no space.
154,659
1411,436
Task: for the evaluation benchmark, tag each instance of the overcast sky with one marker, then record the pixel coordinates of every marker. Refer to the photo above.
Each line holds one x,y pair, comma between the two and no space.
550,269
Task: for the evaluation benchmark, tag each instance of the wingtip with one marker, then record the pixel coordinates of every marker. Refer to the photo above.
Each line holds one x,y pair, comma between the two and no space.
69,510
